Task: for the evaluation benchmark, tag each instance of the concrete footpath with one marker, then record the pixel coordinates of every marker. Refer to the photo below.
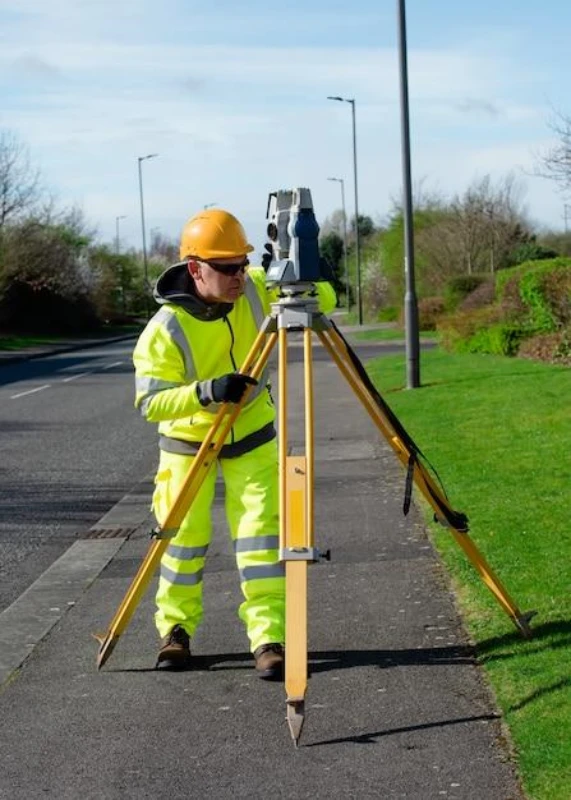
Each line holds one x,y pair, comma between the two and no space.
396,706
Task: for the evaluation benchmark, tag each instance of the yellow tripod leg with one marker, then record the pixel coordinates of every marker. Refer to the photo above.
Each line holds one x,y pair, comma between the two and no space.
296,540
430,490
204,460
296,595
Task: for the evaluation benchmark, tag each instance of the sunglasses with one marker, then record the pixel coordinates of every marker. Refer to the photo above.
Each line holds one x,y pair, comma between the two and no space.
229,269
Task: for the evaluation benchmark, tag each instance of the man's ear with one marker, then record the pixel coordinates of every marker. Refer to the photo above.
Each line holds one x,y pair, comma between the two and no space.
193,268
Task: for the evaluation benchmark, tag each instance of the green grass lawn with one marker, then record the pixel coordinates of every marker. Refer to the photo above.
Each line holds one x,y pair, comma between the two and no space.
388,334
498,431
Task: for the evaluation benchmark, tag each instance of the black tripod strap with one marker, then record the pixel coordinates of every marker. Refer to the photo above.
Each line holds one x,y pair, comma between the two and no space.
446,514
408,484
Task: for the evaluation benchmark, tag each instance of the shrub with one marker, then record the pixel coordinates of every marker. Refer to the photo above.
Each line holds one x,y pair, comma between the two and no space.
459,287
552,347
430,309
456,330
502,339
537,294
483,296
389,314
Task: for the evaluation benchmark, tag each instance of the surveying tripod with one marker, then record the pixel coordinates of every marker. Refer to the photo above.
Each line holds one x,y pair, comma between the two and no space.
296,312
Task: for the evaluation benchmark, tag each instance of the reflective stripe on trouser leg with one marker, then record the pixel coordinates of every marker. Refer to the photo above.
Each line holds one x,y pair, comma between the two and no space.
252,510
179,595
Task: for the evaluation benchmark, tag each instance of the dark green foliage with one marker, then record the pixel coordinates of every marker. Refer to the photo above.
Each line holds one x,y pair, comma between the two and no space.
502,339
532,300
537,294
40,309
459,287
531,251
366,226
331,249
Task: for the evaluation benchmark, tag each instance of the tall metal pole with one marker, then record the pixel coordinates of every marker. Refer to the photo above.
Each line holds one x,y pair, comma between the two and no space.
410,302
347,285
145,263
357,237
566,210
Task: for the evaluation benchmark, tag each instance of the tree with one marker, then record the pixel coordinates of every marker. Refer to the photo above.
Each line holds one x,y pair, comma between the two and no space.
555,163
19,181
366,226
332,250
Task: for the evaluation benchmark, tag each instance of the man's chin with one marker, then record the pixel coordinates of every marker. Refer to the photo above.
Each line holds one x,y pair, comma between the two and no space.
233,295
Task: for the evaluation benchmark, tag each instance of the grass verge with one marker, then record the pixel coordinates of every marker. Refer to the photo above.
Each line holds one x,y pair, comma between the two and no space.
498,431
389,334
23,341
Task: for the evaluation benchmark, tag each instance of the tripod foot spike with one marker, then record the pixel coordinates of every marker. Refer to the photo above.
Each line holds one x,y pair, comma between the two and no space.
295,716
107,645
523,621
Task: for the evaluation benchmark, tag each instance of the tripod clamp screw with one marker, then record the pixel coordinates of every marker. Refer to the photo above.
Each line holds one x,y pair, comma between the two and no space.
304,554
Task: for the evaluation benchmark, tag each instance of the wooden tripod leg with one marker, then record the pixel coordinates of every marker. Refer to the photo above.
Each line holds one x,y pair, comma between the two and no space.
201,465
296,542
423,480
296,594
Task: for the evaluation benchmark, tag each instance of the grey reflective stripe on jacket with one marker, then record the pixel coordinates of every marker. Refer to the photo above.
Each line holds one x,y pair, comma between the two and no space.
168,320
148,387
172,326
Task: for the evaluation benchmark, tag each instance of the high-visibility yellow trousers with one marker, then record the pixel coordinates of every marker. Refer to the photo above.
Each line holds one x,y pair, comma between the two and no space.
252,511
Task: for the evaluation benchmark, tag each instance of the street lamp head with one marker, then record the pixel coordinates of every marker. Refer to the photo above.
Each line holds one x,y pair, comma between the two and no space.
339,180
342,99
144,158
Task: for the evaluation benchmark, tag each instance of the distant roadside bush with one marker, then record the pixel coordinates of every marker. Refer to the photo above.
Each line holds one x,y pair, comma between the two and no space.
459,287
430,309
529,301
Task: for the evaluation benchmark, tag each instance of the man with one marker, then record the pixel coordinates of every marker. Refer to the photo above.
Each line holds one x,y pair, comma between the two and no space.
186,363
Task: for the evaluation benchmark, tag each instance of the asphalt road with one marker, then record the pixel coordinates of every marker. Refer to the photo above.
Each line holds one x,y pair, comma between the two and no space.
72,446
396,706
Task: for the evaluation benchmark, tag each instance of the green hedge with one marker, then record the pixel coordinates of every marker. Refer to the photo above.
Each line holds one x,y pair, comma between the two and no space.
531,299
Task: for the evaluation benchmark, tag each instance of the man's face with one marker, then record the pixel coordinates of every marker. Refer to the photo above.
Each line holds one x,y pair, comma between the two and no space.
221,280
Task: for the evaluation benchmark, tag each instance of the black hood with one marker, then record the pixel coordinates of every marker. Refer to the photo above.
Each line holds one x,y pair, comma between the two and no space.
176,286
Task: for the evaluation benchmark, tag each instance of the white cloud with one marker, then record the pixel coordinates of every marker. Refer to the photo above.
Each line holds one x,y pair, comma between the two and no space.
92,85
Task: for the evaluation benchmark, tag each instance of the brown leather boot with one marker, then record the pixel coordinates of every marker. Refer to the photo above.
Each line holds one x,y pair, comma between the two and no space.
270,662
175,650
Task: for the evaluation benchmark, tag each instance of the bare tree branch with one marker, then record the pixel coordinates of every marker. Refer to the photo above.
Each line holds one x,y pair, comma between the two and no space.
19,181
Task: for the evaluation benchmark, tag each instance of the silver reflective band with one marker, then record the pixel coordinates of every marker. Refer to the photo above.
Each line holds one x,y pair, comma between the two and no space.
181,578
186,553
147,385
251,544
265,571
172,326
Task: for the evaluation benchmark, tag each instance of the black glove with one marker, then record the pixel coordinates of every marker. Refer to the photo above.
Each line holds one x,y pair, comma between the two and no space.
267,257
227,389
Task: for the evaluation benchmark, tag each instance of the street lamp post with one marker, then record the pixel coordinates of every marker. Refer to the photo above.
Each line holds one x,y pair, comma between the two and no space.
347,287
140,159
357,242
410,304
117,240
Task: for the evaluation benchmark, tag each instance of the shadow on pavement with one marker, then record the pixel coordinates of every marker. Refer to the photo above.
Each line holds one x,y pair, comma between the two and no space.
371,738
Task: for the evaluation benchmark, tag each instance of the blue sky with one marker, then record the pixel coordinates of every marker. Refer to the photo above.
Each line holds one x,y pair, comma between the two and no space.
232,96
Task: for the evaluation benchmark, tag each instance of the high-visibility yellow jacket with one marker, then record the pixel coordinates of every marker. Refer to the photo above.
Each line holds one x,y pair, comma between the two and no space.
188,341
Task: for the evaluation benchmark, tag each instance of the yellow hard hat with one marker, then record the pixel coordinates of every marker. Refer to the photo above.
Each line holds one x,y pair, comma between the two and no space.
213,233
